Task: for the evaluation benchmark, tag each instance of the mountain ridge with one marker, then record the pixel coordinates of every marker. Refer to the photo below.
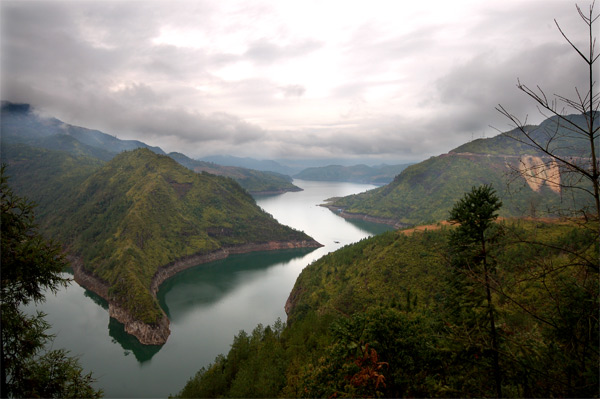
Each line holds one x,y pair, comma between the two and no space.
424,192
20,124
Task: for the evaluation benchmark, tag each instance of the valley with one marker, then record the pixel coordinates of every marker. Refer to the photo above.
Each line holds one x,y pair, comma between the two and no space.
206,305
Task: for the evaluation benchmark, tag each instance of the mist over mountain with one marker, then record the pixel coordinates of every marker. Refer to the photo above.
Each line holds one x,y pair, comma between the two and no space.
19,123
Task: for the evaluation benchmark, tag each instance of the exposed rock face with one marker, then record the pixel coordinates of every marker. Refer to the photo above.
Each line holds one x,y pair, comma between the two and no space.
538,172
157,334
147,334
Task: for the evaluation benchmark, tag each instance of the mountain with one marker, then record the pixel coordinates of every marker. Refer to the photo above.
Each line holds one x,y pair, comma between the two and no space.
381,174
131,223
250,163
255,181
425,192
19,123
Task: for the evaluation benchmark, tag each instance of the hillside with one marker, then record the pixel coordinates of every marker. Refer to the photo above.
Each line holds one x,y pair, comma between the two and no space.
381,174
255,181
390,317
20,124
425,192
250,163
135,221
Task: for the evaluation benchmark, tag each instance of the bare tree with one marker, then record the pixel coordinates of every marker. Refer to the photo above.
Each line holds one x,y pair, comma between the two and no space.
567,144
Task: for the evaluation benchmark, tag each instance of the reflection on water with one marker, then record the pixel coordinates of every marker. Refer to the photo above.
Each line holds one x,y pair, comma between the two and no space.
98,300
370,227
130,344
208,283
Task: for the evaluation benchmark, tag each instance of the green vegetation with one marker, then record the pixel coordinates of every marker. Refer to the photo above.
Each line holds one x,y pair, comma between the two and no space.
46,177
382,174
475,214
30,265
395,315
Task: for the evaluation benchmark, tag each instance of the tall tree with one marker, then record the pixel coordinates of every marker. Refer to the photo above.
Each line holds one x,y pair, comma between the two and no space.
29,267
475,215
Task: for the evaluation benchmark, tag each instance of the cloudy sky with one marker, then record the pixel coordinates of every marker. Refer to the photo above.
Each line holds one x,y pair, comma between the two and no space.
378,80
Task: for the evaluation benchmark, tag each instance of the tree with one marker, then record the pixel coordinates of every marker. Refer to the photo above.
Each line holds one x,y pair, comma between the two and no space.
565,143
29,266
475,215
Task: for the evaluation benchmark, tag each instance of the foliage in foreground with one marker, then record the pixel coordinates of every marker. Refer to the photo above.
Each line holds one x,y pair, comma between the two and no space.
395,316
30,266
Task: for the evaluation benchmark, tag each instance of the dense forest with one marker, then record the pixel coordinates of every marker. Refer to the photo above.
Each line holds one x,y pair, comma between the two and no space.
408,314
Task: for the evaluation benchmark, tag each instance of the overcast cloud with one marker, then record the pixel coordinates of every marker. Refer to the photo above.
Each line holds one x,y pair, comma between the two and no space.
385,80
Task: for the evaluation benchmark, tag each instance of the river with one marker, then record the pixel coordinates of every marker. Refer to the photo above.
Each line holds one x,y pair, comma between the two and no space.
207,305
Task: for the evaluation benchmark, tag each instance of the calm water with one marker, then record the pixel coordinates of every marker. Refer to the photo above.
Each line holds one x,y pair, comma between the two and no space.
207,304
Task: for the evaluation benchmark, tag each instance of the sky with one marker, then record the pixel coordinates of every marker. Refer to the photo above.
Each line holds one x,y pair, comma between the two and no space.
375,81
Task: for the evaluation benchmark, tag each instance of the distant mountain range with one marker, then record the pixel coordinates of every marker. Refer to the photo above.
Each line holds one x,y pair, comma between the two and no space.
250,163
381,174
426,191
20,124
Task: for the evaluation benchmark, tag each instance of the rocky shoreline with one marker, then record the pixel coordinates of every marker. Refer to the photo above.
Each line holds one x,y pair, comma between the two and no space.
158,334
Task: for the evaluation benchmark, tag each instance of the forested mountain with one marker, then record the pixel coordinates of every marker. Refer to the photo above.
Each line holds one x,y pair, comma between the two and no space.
132,222
381,174
20,124
425,192
250,163
396,316
255,181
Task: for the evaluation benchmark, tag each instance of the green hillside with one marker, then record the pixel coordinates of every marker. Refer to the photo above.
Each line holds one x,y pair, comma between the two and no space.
140,211
47,177
256,182
390,316
356,174
425,192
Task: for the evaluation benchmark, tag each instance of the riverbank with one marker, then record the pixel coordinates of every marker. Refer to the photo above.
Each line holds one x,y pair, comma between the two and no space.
158,334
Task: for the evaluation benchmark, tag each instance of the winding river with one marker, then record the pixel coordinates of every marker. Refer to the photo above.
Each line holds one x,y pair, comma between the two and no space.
207,304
